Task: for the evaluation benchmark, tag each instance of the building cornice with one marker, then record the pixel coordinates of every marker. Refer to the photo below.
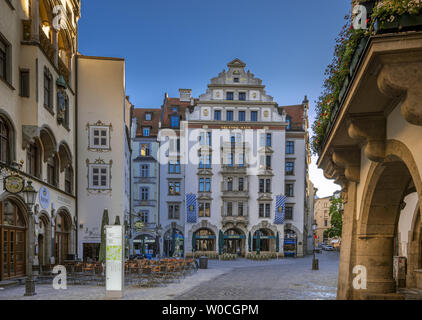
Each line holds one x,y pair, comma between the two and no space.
238,86
237,102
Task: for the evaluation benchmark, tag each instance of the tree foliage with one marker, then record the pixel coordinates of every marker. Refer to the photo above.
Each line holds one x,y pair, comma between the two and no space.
336,216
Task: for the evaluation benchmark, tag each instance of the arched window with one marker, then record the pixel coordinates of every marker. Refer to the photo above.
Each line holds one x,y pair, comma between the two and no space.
68,180
205,240
4,141
62,237
13,234
52,171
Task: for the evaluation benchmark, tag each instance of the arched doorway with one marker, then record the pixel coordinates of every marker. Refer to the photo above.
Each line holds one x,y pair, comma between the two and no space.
62,236
290,243
13,240
205,240
234,241
388,184
145,244
267,240
44,235
173,243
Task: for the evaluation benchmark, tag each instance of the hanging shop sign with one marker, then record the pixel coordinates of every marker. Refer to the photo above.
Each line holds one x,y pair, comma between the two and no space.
44,196
236,236
205,237
13,184
265,237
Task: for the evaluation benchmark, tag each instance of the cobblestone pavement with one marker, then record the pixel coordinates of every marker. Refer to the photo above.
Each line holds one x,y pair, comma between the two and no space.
241,279
284,279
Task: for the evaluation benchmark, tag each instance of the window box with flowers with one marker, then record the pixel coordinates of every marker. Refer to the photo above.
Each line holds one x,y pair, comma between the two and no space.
383,16
397,15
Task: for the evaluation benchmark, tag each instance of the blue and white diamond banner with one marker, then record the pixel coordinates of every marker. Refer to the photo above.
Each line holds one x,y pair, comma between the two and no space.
191,215
280,206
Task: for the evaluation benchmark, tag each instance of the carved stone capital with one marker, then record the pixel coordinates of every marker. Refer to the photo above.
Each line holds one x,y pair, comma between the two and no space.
349,159
404,79
370,130
344,196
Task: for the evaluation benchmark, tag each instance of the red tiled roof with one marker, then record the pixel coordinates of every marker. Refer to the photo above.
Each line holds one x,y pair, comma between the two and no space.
173,102
296,113
139,114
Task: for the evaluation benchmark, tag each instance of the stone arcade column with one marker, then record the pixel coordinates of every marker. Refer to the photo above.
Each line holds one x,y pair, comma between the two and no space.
347,258
376,253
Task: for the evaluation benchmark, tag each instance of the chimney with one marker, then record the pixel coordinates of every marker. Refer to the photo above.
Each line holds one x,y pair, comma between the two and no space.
185,94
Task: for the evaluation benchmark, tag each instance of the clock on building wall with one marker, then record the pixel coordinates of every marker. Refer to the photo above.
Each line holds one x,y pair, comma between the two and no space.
13,184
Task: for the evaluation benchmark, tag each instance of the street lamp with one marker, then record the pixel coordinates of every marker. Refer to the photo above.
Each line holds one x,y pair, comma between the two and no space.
30,194
315,265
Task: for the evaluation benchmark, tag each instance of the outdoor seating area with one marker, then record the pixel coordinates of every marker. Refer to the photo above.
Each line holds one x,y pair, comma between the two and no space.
139,272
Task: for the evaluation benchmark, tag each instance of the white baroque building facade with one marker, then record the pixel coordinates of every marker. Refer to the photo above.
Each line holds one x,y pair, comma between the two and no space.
233,162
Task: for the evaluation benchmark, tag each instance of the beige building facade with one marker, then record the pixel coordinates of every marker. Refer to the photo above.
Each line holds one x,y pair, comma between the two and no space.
322,219
37,124
51,97
103,149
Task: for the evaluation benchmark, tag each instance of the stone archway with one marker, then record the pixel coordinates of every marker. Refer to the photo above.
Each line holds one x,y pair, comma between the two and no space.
201,225
266,225
43,238
17,248
387,184
166,246
64,235
414,250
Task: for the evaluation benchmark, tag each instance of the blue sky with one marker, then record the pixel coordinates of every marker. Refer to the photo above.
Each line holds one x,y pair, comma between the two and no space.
184,43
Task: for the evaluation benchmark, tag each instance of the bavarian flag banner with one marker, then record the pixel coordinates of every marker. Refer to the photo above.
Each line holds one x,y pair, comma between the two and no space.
191,215
280,204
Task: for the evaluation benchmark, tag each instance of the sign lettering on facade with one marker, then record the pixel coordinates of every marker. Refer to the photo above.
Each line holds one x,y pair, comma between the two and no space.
44,196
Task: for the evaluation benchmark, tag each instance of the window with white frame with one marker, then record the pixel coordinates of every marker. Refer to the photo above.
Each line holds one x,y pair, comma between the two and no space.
174,188
146,131
145,149
145,170
205,138
99,137
173,211
144,216
99,176
144,193
204,209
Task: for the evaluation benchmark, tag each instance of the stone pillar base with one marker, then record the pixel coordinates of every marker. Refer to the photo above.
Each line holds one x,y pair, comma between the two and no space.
418,276
379,296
